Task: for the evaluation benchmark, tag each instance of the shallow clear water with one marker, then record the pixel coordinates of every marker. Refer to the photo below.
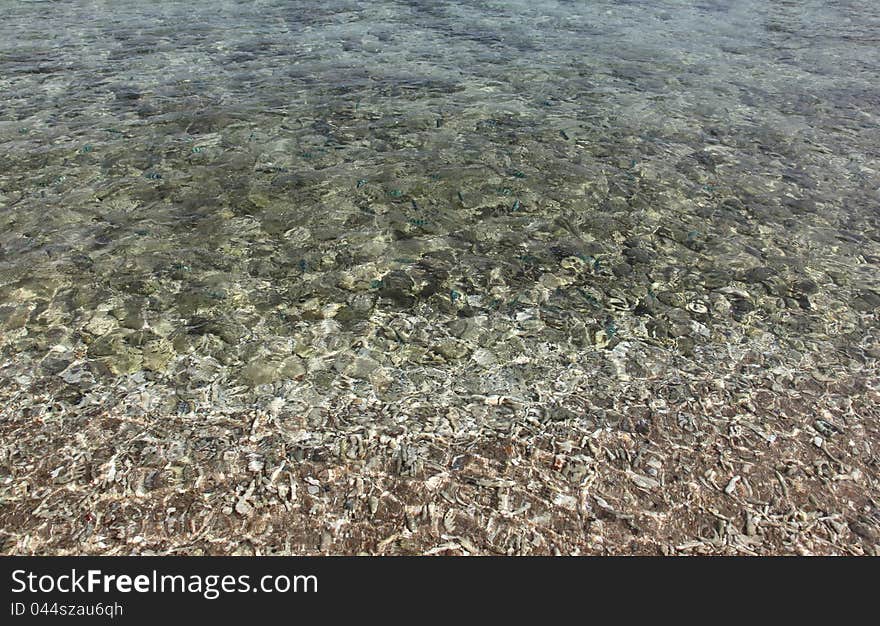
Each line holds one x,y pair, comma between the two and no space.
227,203
439,277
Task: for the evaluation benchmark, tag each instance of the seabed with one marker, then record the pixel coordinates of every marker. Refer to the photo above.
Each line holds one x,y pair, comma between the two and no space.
426,278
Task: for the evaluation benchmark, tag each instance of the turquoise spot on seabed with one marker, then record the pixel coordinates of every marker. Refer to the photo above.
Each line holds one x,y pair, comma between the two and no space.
197,149
361,183
589,298
395,193
86,148
303,265
375,284
454,295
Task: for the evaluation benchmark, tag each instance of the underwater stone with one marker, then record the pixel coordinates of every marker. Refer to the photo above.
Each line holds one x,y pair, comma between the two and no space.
715,278
261,371
133,321
758,274
866,300
361,367
622,269
686,345
14,317
126,362
100,324
107,345
672,298
805,286
54,365
397,286
293,367
484,357
451,350
638,255
157,354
